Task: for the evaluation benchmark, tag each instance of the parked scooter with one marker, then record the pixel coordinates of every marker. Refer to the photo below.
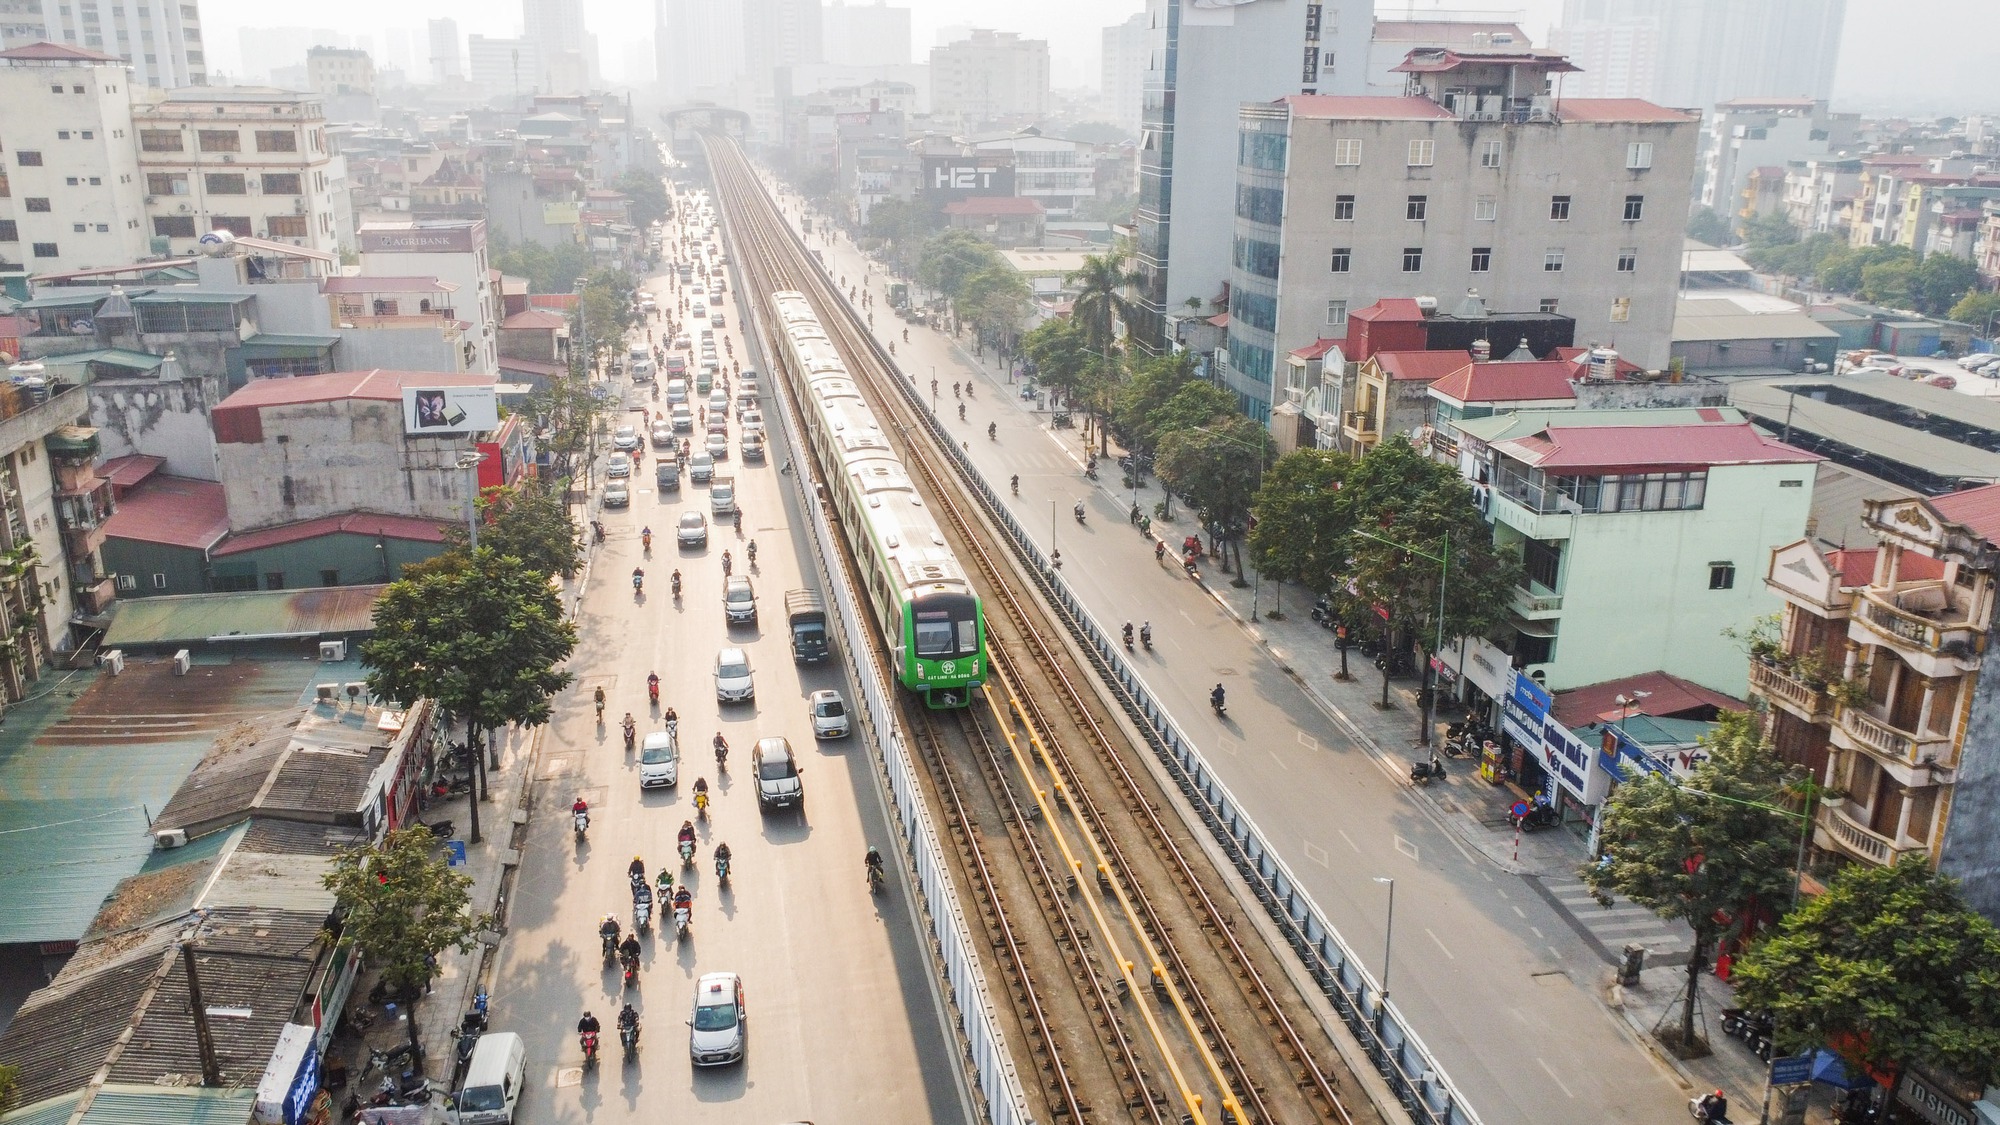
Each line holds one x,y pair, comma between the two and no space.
1423,773
1323,615
1538,816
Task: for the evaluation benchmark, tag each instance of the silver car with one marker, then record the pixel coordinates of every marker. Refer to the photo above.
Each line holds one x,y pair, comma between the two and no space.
829,714
715,1035
734,682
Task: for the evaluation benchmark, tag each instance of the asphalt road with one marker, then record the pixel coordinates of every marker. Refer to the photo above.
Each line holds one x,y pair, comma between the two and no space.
842,1024
1496,982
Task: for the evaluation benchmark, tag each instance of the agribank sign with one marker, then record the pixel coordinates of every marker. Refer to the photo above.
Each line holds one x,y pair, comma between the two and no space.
419,240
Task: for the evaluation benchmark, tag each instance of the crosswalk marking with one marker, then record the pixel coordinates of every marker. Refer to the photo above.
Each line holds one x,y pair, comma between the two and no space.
1610,929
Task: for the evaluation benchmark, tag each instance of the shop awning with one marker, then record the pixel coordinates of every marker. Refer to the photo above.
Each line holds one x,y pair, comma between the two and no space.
268,345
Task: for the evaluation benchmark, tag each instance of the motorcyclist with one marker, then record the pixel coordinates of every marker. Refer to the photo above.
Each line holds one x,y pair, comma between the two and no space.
628,951
1714,1107
638,578
727,564
751,550
1014,483
1146,634
992,428
652,685
1079,511
646,537
588,1025
628,1020
673,718
1127,631
677,583
637,868
630,727
721,748
873,860
961,412
599,697
701,786
579,806
686,835
608,929
1215,697
954,390
722,852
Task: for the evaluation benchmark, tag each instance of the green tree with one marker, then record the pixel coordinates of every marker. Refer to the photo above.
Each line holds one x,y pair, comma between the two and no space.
1301,529
648,195
1890,967
1216,467
549,269
903,226
1892,283
1769,230
1942,281
1977,309
1101,308
1153,382
566,412
951,256
10,1085
401,905
1842,272
529,521
482,634
1697,851
1416,507
995,301
1196,403
1061,355
1710,226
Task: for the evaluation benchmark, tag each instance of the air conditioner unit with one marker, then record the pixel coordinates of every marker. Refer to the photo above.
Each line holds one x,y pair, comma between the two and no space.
228,159
186,208
327,693
355,690
333,650
171,838
112,659
182,662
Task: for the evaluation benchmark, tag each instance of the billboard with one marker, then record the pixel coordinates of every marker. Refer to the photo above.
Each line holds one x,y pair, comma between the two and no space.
455,238
431,411
951,178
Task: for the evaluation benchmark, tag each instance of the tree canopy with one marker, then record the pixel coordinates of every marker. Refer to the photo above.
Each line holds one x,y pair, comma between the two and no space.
401,905
1153,382
1710,226
1978,310
648,195
1890,967
1301,529
1215,466
549,269
529,521
952,256
1061,355
994,301
1704,849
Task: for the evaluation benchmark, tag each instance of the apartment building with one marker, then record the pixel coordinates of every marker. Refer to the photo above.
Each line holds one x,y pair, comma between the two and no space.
991,76
1696,53
1746,134
1121,82
1056,173
1820,194
447,52
1639,533
867,35
1879,685
1476,179
70,193
1878,200
247,159
160,40
452,251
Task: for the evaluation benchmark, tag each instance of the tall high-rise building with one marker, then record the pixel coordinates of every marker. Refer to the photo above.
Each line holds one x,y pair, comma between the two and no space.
502,66
990,76
75,199
1122,66
396,49
700,46
564,49
1696,53
446,57
159,39
1203,61
268,51
778,34
866,34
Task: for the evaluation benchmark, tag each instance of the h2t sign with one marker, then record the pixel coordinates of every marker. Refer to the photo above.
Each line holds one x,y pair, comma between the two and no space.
951,177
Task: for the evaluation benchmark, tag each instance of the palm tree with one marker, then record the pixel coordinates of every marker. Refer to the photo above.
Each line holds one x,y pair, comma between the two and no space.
1101,308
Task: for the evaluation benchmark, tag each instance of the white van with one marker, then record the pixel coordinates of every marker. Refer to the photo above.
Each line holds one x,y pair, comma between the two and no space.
493,1078
636,351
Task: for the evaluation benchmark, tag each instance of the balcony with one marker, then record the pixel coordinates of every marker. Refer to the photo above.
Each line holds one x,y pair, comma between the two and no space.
1921,619
1794,694
1359,425
1876,736
1536,605
1515,513
1860,842
97,597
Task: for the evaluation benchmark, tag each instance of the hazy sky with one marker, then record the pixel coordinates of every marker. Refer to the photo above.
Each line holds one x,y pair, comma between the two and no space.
1894,53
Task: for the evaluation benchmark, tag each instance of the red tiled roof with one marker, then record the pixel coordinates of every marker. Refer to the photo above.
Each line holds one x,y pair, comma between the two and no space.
1317,349
373,384
1856,566
1611,111
1976,508
536,318
542,368
173,511
552,300
994,205
127,471
386,285
55,52
353,523
1220,320
1434,60
1653,447
1365,107
1667,696
1427,367
1390,308
1539,380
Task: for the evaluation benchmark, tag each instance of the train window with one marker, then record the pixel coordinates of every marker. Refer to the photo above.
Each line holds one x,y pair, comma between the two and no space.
935,638
968,635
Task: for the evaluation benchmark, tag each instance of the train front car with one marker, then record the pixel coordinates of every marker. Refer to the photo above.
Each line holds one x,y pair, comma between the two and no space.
944,645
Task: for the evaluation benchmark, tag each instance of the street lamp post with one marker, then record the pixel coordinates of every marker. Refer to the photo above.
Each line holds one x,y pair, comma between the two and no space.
1444,570
1388,939
468,463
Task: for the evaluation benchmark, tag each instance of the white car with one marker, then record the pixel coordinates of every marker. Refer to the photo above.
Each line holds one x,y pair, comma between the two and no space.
829,714
693,530
777,771
683,418
626,438
617,494
659,760
734,682
620,467
739,600
1977,360
715,1031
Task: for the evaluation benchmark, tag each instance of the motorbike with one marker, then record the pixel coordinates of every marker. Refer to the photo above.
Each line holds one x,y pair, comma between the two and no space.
701,806
1696,1111
874,880
610,943
682,918
631,737
588,1040
1216,704
389,1060
628,1037
1754,1028
470,1027
1537,817
687,853
1423,773
638,584
653,691
1078,511
440,829
1323,615
642,905
722,869
1090,471
721,755
1191,564
1128,638
582,821
1146,638
631,971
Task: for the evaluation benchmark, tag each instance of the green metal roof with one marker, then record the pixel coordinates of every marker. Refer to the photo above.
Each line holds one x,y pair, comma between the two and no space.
249,615
119,1104
74,298
54,1111
189,297
116,357
276,341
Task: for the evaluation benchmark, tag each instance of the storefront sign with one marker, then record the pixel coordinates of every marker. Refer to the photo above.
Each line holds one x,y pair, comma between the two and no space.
1567,758
1486,665
286,1090
1931,1103
1524,709
422,240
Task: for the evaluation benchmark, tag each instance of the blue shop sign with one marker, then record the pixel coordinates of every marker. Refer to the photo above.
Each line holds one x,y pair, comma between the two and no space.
1619,756
1525,710
298,1099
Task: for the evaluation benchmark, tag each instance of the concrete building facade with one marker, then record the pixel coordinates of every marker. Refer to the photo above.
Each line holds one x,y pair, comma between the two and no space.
1575,208
1056,173
250,160
447,52
161,40
1202,63
1121,84
73,195
1702,52
452,251
990,76
1741,136
867,35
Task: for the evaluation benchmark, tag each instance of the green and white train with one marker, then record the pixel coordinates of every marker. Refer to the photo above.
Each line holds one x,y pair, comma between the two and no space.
929,614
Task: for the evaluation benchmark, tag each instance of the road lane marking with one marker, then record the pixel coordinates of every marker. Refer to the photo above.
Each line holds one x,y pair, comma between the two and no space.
1308,741
1552,949
1440,944
1316,854
1406,847
1275,758
1521,912
1537,931
1554,1077
1350,840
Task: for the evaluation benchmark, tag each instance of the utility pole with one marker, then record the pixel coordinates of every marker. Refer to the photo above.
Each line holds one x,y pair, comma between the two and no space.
468,462
211,1067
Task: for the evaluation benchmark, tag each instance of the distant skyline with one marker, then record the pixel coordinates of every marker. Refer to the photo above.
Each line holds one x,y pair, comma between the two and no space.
1886,43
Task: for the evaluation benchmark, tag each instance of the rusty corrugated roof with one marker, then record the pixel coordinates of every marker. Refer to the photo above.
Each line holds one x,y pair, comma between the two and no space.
330,611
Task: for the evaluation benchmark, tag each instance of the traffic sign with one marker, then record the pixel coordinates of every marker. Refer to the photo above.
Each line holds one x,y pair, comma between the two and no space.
1791,1071
455,849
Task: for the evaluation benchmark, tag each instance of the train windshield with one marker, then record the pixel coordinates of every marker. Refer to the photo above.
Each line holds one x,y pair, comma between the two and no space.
947,626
